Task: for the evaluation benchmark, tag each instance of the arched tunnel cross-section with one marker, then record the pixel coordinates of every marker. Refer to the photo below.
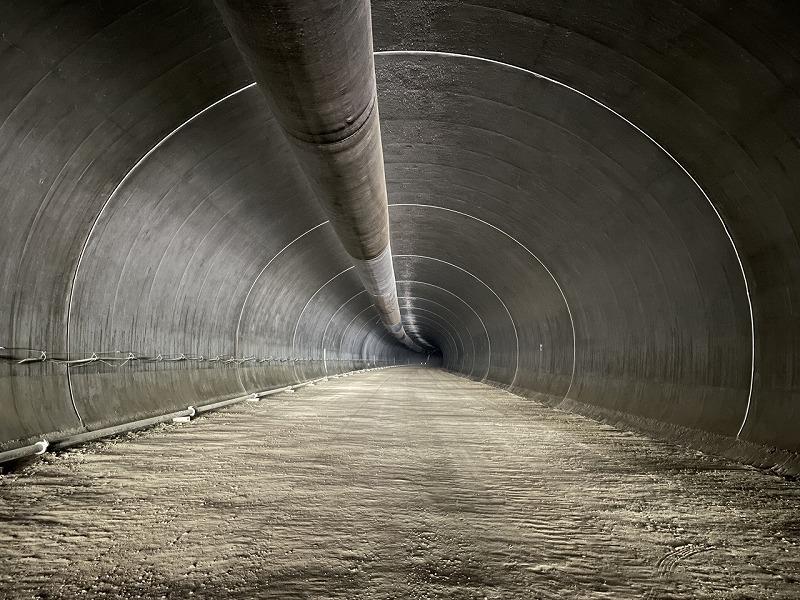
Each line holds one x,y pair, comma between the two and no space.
399,299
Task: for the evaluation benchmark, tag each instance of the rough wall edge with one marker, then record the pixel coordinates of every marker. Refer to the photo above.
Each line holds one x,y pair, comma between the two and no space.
775,460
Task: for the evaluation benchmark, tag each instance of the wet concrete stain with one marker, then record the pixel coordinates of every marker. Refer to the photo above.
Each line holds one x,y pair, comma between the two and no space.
401,483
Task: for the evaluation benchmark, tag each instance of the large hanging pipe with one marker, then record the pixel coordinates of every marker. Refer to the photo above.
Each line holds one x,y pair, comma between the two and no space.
313,61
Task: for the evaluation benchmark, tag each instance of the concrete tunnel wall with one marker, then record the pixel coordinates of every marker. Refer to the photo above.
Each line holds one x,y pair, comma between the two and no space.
576,194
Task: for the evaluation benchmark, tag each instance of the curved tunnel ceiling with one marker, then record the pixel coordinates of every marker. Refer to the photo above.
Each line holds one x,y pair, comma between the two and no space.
157,224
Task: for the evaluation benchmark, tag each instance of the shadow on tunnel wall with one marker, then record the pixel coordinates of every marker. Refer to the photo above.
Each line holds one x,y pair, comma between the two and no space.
592,205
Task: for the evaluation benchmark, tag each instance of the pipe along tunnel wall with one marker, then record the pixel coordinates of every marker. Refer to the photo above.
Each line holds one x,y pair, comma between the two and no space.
594,205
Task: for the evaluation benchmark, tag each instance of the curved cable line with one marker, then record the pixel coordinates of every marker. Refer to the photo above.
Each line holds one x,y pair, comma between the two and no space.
537,259
447,55
347,327
418,338
253,285
446,320
328,324
437,325
330,320
261,272
413,309
133,169
462,356
413,329
653,141
445,331
380,339
469,306
300,316
363,353
439,304
499,299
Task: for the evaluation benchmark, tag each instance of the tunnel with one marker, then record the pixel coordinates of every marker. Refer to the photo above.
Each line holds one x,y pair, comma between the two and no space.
590,206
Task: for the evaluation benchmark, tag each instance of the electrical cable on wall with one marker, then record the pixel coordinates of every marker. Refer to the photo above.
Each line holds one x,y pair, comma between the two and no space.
114,360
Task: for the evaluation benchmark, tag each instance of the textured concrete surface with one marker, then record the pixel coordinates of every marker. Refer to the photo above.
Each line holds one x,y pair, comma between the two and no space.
150,206
401,483
313,61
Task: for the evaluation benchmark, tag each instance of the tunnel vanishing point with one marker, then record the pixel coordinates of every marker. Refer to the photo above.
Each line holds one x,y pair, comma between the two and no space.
554,242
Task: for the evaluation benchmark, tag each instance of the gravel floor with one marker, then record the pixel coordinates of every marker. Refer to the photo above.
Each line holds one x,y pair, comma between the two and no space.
400,483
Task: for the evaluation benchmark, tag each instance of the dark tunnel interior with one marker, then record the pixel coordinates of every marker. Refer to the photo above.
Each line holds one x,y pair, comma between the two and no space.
590,204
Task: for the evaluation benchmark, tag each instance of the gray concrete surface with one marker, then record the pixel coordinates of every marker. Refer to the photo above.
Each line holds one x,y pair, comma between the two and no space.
401,483
149,206
313,61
